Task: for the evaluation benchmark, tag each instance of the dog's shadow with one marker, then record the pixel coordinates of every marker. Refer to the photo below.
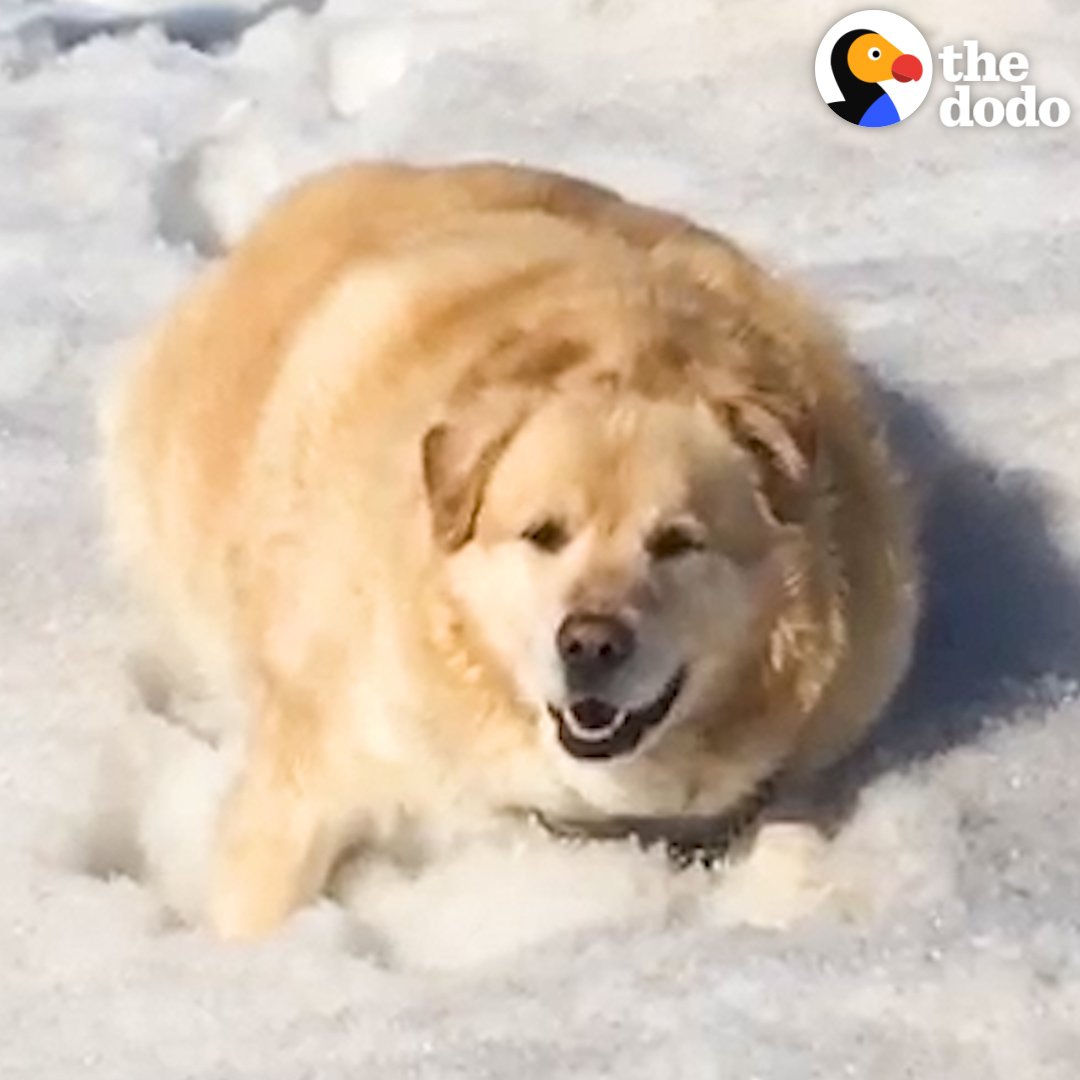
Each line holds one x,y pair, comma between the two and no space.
1001,611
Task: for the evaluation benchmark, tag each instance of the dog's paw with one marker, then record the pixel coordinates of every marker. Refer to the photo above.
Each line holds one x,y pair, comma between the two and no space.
780,880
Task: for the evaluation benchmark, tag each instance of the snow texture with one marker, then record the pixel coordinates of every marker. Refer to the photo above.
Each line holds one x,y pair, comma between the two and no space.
936,933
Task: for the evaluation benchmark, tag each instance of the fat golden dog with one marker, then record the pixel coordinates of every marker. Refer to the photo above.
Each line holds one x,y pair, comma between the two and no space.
496,493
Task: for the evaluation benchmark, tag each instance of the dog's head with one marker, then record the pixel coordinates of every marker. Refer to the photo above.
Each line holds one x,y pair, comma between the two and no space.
614,549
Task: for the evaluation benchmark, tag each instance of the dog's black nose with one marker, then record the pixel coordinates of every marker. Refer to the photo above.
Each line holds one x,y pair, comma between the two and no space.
592,647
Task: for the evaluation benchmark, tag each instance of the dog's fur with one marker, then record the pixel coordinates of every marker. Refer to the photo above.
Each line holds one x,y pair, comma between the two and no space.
375,458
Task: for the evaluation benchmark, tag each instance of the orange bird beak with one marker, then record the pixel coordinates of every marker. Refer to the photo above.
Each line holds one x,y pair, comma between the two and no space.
907,68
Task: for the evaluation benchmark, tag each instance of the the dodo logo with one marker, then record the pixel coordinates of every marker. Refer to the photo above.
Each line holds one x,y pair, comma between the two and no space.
874,68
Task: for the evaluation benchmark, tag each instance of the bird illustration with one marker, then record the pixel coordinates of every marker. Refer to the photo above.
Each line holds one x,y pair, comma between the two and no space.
861,61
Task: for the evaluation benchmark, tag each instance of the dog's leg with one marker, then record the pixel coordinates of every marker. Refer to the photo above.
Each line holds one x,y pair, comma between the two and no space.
272,855
281,829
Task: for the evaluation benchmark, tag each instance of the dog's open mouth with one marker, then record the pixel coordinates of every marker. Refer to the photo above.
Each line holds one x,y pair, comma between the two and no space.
594,730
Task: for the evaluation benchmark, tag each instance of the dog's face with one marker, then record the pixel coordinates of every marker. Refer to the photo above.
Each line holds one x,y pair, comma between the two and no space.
612,551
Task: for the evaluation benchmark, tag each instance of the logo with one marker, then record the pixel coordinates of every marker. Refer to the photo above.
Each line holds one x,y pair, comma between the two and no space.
967,66
874,68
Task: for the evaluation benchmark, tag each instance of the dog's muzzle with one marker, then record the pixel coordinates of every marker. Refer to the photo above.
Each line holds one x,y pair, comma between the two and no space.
593,730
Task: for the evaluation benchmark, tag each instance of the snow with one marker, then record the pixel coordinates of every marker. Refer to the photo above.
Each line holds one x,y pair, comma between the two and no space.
935,933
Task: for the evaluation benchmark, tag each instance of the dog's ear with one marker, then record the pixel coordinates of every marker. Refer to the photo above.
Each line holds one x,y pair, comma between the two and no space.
458,455
780,436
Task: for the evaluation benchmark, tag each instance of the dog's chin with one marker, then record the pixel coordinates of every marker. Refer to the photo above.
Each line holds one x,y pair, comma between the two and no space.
591,729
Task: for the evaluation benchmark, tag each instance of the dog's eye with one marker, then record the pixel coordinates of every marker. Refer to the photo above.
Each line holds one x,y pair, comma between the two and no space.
671,541
547,535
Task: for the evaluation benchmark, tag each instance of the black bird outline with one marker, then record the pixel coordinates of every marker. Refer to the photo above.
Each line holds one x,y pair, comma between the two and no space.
858,95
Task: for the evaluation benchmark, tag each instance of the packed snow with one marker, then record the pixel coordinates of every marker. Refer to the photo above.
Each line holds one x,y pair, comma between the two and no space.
935,932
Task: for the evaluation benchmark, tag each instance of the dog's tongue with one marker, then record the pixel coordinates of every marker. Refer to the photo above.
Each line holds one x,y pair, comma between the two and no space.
593,715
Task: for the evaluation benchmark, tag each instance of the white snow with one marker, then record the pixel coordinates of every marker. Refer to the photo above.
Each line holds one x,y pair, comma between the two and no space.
935,934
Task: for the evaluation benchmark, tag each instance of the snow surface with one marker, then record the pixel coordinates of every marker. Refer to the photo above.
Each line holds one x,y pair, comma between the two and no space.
938,932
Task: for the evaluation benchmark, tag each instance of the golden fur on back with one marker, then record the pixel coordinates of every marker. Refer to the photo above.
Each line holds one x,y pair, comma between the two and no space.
314,461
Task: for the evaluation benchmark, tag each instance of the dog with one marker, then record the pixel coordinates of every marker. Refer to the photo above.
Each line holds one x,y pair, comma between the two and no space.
495,493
